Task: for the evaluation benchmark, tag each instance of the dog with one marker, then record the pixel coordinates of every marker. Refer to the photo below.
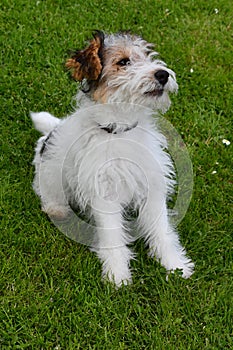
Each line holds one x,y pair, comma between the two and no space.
110,155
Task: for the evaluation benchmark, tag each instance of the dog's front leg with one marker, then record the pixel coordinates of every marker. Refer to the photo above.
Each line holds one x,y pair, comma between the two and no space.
112,243
161,237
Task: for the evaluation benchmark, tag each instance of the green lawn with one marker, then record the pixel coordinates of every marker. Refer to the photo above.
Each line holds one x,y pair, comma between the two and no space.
51,294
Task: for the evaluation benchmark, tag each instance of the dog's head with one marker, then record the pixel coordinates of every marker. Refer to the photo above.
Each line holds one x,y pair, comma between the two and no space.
122,68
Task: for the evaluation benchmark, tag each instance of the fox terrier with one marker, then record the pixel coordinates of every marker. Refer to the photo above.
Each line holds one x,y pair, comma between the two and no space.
109,155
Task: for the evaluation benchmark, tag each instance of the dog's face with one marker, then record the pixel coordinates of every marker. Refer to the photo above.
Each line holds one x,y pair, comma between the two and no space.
122,68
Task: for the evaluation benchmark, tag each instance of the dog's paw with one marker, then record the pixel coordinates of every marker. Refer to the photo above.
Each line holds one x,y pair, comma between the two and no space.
116,265
56,212
118,280
186,270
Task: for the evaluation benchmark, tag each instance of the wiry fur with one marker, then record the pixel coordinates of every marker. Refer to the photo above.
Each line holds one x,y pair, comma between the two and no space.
82,162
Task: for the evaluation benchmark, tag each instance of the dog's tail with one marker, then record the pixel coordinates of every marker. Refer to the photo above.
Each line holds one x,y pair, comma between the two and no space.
44,122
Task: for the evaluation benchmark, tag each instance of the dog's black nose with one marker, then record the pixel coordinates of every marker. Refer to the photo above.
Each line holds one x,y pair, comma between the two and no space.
162,76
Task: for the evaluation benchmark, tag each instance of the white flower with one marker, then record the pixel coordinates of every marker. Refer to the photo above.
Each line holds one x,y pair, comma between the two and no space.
214,172
226,142
191,70
216,11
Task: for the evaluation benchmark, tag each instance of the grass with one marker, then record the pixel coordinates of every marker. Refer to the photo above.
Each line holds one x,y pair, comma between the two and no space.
51,293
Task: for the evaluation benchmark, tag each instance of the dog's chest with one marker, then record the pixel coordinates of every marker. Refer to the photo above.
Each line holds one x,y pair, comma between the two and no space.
114,167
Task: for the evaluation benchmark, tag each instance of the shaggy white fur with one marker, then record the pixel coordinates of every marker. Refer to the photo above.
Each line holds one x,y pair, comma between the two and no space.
109,154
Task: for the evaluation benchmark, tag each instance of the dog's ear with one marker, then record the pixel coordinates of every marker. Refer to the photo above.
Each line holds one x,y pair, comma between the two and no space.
87,63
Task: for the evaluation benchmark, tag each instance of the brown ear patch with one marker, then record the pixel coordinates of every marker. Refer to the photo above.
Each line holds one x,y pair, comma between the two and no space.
87,63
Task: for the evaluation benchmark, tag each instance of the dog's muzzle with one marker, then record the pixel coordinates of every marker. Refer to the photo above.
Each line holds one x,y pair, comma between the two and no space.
162,77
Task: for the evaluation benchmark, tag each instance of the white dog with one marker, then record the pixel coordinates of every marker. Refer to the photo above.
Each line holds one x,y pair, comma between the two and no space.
109,155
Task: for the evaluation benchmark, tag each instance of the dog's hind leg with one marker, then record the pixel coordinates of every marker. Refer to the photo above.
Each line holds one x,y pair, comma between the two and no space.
50,187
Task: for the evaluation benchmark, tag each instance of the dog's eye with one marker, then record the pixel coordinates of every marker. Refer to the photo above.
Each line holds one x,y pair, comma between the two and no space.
123,62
